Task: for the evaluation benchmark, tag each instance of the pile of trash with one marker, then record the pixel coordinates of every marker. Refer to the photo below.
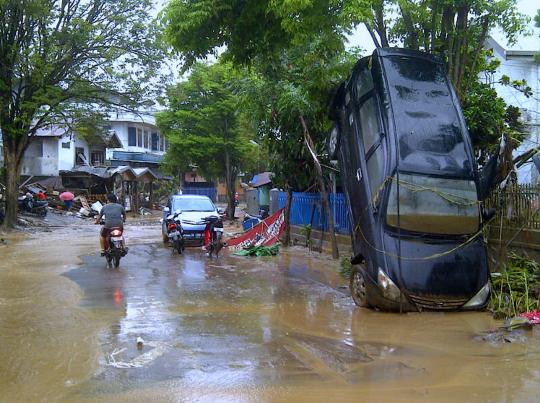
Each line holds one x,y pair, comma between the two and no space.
82,206
514,330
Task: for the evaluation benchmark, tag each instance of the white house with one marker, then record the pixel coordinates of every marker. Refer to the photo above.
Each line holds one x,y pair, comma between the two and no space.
519,63
142,144
128,140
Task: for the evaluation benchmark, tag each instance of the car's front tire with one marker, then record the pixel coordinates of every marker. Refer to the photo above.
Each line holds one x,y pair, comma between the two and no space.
358,287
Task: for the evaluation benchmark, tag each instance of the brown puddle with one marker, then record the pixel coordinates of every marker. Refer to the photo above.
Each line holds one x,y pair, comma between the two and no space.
232,329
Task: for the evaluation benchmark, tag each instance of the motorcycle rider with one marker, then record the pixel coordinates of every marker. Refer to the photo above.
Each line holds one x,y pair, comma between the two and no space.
115,217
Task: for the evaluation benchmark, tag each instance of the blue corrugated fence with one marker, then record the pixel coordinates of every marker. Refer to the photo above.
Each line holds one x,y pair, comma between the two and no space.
306,205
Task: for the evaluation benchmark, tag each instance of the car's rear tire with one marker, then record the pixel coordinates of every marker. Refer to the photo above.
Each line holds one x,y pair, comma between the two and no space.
357,286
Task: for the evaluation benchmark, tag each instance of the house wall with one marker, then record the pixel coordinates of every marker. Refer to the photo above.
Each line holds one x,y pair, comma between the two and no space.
41,157
66,156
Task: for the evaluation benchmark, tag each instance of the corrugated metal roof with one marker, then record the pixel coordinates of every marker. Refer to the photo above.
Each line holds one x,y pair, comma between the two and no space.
261,179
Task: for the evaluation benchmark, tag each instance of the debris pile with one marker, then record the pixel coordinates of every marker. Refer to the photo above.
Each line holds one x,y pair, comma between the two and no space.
81,205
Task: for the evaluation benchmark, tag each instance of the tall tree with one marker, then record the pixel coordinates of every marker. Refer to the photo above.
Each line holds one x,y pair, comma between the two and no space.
205,127
455,30
288,101
197,28
58,56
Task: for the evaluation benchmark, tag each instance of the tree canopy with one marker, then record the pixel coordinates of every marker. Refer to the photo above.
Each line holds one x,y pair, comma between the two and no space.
255,28
205,126
60,57
453,30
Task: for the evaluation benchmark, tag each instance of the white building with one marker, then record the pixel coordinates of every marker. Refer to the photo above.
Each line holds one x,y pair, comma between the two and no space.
128,140
519,63
142,144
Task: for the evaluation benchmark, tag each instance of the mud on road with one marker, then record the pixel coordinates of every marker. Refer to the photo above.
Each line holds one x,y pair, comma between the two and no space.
231,329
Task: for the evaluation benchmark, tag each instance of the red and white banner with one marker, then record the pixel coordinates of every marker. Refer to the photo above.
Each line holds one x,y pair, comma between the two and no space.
265,233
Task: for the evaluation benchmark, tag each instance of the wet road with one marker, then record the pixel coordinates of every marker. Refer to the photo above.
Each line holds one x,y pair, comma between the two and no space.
232,329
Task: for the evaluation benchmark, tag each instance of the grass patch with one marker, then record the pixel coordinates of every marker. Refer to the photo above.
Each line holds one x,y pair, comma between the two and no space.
345,268
515,289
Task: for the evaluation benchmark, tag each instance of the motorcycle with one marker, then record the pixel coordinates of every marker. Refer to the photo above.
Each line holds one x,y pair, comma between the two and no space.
117,248
213,234
28,205
175,233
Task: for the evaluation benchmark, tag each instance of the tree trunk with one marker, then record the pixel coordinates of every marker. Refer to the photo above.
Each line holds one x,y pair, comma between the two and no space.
372,34
13,168
322,188
229,185
288,203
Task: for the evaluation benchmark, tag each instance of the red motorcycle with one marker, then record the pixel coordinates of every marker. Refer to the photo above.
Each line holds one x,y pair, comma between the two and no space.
213,235
117,248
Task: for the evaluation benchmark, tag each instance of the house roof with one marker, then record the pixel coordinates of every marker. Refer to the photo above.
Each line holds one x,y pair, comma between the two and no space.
52,131
525,45
145,174
508,53
261,179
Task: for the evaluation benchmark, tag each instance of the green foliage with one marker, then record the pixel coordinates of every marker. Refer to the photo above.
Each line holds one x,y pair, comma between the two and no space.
62,60
253,28
484,112
57,56
487,115
345,268
306,231
454,30
90,127
205,126
298,82
515,289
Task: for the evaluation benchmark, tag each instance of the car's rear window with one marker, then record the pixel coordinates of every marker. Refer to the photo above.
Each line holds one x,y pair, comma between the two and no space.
192,204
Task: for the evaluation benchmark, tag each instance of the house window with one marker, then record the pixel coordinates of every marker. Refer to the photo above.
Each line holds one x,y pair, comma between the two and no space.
146,139
132,137
66,145
97,158
80,157
139,138
155,142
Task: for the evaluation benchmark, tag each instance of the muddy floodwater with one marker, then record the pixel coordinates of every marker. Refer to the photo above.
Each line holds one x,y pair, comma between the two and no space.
229,329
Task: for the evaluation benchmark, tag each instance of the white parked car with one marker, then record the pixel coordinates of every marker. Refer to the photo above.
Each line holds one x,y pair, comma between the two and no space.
194,209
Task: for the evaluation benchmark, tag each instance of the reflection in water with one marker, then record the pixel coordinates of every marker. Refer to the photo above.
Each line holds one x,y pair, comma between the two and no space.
253,329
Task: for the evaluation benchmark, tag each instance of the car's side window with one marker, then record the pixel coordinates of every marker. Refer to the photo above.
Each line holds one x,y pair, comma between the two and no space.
369,123
372,137
364,83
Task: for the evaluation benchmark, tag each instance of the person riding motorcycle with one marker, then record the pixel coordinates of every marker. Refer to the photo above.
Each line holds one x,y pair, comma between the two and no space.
115,217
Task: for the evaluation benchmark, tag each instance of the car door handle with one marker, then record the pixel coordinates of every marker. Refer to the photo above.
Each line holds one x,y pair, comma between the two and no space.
359,174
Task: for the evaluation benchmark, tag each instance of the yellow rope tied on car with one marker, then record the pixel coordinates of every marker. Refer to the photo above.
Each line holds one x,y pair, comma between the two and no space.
454,199
434,256
413,187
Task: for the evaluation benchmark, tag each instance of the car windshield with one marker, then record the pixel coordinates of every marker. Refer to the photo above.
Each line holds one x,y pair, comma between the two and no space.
433,205
192,204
